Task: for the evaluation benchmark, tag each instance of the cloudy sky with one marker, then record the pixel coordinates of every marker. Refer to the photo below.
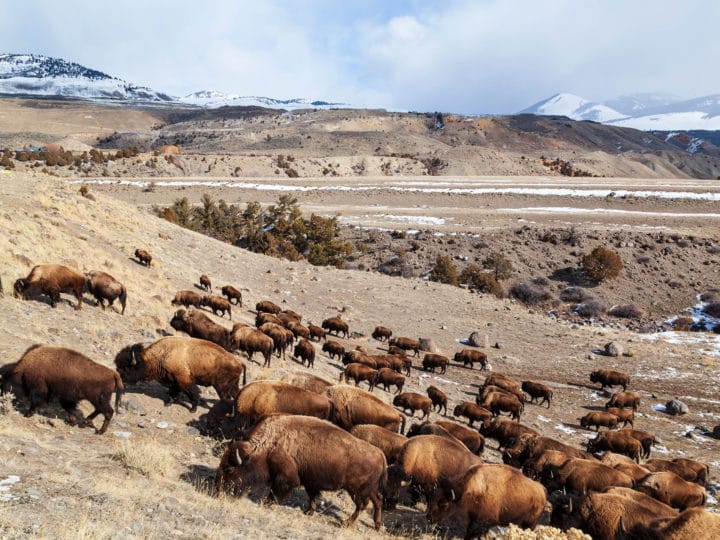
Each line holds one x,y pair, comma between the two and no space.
465,56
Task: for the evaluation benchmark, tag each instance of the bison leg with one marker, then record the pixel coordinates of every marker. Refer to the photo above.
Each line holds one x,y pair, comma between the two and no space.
312,494
75,417
360,504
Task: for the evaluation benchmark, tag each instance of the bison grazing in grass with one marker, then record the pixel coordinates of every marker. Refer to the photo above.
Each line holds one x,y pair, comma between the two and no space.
205,283
353,406
486,496
52,279
231,293
608,377
187,299
335,325
180,364
143,257
44,372
470,357
105,287
284,452
198,325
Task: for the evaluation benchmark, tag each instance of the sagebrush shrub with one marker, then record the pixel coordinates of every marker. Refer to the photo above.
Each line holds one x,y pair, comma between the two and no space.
625,311
530,294
591,308
444,271
601,264
575,295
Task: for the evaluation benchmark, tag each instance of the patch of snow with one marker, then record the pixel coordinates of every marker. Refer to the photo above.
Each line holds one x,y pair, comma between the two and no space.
659,407
709,343
5,485
565,429
542,418
573,210
661,449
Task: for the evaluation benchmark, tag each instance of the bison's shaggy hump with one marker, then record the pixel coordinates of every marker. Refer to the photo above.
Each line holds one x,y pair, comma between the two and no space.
263,398
308,381
44,372
52,279
290,451
182,363
353,406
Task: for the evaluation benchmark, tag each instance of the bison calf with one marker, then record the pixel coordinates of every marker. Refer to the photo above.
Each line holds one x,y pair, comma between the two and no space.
105,287
205,282
537,391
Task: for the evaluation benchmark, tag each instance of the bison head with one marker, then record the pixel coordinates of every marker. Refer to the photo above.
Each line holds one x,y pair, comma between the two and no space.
457,357
441,501
179,320
239,469
595,377
458,410
130,363
19,288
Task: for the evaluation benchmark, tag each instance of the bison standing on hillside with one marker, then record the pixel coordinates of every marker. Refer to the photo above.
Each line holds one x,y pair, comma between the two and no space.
251,340
387,441
305,351
609,377
187,299
143,256
105,287
624,399
266,306
198,325
217,304
405,344
434,360
353,406
52,279
231,293
537,391
205,282
471,356
316,332
439,399
333,349
283,451
180,364
44,372
335,325
382,333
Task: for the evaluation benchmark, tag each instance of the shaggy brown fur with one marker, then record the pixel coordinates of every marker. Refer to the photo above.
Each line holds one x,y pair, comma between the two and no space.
187,299
281,336
598,419
308,381
217,304
625,464
51,279
316,332
470,357
263,317
469,437
473,412
105,287
231,293
669,488
623,415
624,399
198,325
414,402
432,360
529,447
387,441
583,475
263,398
359,372
405,344
505,431
182,363
143,256
283,451
44,372
497,403
298,329
251,340
333,349
266,306
619,442
694,523
486,496
608,377
353,406
537,392
389,377
305,351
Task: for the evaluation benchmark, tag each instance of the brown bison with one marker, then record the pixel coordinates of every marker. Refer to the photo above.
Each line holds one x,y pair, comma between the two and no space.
44,372
305,351
694,523
231,293
143,257
360,372
389,377
488,495
528,447
387,441
266,306
251,340
264,398
423,461
180,364
537,391
263,317
335,325
413,401
599,419
583,475
198,325
433,360
333,349
625,464
51,279
619,442
105,287
217,304
647,440
669,488
473,412
623,415
382,333
406,344
505,431
497,403
506,383
469,437
608,377
439,399
470,357
316,332
298,329
308,381
187,299
283,451
291,314
624,399
687,469
281,336
353,406
205,282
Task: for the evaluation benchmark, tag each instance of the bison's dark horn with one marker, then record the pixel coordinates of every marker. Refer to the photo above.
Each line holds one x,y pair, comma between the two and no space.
237,457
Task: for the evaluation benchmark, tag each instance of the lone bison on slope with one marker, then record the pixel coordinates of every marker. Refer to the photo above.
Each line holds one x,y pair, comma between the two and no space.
231,293
284,452
205,282
335,325
105,287
182,363
51,279
143,256
44,372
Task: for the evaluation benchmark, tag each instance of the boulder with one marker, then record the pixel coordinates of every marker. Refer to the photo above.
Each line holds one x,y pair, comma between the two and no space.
477,339
613,349
675,406
428,345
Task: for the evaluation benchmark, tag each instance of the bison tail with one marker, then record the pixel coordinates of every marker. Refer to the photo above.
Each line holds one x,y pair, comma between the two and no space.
123,299
119,388
244,375
403,419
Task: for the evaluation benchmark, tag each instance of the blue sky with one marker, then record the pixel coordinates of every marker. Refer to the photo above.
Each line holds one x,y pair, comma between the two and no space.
466,56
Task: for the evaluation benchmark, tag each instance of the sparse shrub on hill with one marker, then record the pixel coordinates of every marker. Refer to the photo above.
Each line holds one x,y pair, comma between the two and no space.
499,265
576,295
712,309
477,278
590,308
601,264
444,271
683,324
625,311
530,294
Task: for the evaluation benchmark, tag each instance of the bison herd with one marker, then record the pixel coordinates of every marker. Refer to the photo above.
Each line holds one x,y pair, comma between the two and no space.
308,432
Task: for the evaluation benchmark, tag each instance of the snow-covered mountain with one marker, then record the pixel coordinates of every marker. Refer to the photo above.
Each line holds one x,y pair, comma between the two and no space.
211,99
647,112
45,76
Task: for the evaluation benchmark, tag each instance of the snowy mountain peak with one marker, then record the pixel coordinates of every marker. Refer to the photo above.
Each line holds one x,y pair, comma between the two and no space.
573,107
213,99
46,76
